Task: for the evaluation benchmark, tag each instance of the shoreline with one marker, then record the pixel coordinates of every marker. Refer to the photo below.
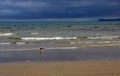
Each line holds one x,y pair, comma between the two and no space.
63,47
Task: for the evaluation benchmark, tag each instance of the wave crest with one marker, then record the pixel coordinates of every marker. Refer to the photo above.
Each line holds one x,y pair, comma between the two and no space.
104,37
48,38
6,34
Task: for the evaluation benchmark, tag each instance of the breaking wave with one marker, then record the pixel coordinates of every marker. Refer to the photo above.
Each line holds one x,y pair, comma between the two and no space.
104,37
64,38
48,38
6,34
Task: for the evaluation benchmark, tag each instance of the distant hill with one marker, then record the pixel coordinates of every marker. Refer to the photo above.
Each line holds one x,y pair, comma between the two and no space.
102,19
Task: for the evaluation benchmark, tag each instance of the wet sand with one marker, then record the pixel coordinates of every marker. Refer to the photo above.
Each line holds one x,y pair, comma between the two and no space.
91,68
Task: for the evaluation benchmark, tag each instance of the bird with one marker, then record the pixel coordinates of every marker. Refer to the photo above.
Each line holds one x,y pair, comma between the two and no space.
41,50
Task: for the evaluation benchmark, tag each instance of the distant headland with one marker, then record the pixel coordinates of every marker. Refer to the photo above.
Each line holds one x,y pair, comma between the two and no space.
103,19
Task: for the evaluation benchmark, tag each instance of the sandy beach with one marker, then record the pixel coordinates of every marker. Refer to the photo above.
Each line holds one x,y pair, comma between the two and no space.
91,68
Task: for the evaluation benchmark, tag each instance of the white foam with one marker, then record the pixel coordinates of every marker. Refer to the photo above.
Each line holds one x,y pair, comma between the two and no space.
6,34
62,48
104,37
47,38
34,33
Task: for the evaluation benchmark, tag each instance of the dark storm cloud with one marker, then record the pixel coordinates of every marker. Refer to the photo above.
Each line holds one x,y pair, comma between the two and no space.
38,9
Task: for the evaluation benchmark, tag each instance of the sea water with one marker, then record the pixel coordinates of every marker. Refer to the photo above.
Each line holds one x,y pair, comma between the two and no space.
63,34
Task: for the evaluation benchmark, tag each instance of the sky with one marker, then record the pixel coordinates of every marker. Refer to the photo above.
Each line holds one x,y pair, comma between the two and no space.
58,9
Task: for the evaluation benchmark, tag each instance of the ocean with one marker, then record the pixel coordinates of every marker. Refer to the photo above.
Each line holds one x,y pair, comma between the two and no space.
59,34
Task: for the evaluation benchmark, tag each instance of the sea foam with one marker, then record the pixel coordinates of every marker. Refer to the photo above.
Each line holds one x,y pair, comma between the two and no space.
104,37
48,38
6,34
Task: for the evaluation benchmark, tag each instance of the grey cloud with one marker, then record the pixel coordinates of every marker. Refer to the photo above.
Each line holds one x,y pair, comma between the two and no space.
37,9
